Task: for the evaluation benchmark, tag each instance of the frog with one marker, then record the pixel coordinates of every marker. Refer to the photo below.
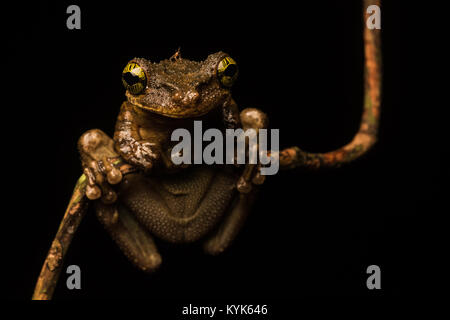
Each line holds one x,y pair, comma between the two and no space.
174,203
141,197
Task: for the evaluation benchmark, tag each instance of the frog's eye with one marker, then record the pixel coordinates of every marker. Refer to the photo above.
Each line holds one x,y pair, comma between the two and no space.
134,78
227,71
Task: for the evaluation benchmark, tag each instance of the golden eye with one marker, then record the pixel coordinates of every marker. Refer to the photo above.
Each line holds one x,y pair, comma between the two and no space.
134,78
227,71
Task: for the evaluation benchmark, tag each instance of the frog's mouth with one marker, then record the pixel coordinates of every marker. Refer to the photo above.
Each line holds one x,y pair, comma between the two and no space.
172,111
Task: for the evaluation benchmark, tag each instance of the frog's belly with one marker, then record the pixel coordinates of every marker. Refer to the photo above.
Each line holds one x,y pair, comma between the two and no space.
181,207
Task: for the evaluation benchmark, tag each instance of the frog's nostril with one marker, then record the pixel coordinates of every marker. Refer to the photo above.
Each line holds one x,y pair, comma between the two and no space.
177,96
186,98
192,96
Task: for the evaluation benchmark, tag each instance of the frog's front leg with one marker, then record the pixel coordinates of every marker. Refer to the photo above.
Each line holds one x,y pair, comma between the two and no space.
129,143
98,159
230,113
249,118
252,118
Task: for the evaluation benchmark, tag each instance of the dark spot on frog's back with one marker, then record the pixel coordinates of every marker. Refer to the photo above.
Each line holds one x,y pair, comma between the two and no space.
181,207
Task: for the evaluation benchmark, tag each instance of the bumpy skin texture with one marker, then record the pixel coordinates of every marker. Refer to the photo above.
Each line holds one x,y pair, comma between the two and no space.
178,204
180,88
183,207
176,90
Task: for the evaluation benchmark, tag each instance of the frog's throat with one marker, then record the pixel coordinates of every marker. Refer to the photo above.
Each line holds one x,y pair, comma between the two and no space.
173,111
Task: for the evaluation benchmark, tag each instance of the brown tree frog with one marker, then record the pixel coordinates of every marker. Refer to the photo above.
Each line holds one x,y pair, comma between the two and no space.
137,190
178,204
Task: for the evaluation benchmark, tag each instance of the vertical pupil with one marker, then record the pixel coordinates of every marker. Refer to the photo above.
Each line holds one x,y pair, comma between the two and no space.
230,70
130,78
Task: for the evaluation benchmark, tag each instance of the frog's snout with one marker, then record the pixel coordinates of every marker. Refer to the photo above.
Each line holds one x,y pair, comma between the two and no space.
186,98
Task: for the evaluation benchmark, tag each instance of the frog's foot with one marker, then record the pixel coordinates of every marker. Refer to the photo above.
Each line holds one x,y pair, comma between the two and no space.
252,118
251,175
232,223
134,241
97,158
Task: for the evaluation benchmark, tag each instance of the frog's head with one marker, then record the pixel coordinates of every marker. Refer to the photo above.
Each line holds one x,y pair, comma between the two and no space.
180,88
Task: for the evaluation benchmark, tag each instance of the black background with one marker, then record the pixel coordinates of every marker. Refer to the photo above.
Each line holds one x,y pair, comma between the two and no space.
310,233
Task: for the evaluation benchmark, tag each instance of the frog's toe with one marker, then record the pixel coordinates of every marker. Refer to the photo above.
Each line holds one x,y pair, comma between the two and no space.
243,186
113,175
97,151
97,186
93,191
250,176
258,178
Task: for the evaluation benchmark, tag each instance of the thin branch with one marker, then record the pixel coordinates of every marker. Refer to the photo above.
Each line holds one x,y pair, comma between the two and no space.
366,136
75,212
51,269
